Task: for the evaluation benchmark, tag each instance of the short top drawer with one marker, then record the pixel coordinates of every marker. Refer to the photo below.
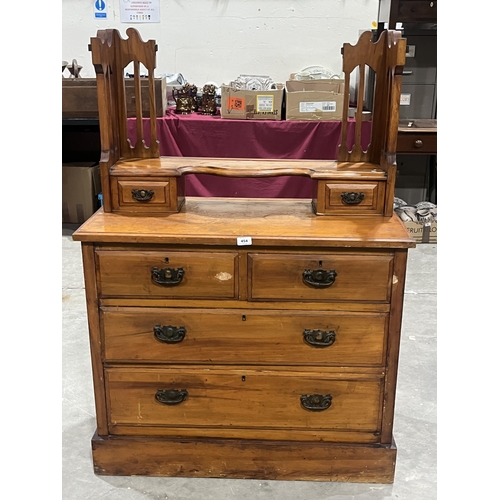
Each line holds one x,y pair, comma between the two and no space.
350,198
342,277
167,274
149,195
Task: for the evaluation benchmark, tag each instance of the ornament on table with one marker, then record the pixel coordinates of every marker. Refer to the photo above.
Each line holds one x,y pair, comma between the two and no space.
208,103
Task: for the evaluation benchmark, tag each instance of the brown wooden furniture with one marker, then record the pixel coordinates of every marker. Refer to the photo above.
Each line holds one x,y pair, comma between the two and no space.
419,19
79,97
406,11
417,136
249,338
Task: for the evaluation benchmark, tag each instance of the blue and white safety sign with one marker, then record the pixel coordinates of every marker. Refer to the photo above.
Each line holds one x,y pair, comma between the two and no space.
100,9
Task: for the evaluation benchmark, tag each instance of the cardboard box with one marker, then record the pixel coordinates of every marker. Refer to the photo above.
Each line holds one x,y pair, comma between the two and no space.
79,97
422,232
241,104
314,99
81,185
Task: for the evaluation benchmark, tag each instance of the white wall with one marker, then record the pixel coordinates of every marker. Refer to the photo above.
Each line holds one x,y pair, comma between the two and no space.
217,40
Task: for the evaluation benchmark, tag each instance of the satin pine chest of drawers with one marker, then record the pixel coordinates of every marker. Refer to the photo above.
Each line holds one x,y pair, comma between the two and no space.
275,359
245,338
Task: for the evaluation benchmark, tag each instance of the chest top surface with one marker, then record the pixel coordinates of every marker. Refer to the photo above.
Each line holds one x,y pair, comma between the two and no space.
220,221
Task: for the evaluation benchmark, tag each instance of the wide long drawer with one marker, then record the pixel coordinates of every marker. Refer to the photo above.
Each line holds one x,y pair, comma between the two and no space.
167,274
243,398
356,277
243,336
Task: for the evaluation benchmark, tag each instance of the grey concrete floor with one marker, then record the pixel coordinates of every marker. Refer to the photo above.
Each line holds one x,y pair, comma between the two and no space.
415,425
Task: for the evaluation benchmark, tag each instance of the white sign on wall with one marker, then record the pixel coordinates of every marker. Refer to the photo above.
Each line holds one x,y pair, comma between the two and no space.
140,11
101,9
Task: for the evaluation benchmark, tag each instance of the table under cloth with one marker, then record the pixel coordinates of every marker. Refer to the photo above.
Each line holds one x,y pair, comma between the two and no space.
199,135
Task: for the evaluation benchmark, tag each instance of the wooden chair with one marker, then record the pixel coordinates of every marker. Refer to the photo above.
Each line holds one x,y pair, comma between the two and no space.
137,180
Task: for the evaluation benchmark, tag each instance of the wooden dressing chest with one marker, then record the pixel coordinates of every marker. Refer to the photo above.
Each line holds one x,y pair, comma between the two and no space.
247,338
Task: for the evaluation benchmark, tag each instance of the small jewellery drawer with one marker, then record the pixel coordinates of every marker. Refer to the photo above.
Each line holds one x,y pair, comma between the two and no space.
167,335
167,274
243,398
329,277
352,197
136,195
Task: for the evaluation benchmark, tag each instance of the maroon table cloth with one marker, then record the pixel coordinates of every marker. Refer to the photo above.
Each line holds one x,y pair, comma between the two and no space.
213,136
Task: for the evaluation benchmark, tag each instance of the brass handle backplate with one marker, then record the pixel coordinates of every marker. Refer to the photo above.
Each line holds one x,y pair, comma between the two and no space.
171,396
316,402
169,334
167,276
352,198
319,278
142,194
319,338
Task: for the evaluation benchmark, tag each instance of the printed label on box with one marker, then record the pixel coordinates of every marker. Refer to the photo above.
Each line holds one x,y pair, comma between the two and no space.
265,103
405,100
311,107
236,103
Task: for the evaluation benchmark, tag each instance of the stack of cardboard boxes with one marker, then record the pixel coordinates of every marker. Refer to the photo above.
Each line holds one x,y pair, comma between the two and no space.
310,100
81,186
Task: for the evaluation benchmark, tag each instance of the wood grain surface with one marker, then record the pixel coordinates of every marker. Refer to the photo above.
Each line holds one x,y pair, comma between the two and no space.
220,221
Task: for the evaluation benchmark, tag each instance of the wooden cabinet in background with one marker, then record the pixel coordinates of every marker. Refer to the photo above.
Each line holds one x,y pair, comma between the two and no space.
79,97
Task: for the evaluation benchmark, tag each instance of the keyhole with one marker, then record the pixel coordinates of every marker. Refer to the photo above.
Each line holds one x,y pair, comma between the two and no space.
243,378
166,260
243,318
320,263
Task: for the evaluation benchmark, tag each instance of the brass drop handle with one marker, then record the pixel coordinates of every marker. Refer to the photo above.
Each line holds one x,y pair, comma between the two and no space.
418,143
169,334
171,396
352,198
319,278
167,276
319,338
316,402
142,194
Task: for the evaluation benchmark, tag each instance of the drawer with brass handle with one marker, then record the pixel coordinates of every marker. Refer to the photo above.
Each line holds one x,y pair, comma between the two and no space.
170,335
352,198
153,195
167,274
320,278
246,398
